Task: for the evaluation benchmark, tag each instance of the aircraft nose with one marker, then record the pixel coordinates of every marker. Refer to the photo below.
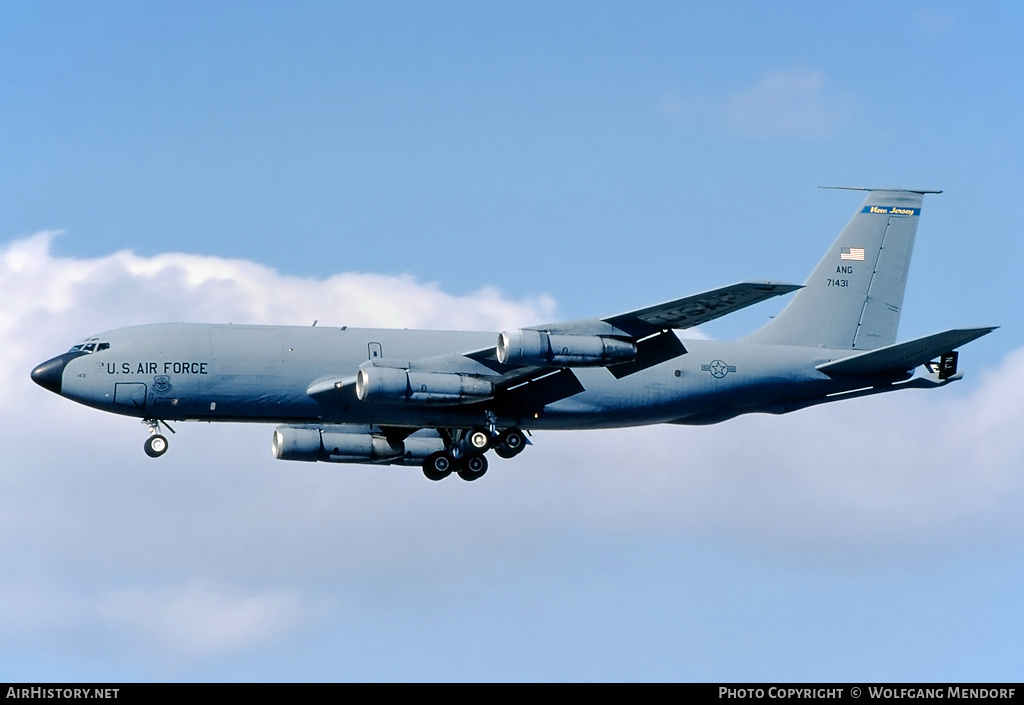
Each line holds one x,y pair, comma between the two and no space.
50,374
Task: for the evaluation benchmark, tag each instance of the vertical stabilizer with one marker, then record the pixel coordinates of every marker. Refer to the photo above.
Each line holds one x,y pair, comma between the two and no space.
853,298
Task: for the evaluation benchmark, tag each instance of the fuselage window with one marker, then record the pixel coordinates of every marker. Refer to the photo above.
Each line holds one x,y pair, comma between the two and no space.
90,346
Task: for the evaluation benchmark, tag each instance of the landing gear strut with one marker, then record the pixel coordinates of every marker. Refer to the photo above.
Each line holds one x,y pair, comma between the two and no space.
156,445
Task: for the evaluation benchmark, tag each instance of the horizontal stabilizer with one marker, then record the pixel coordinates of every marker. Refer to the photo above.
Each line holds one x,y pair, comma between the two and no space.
904,356
890,190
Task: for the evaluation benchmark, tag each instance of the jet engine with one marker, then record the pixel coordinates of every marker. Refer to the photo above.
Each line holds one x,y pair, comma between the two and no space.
296,443
391,385
343,444
537,348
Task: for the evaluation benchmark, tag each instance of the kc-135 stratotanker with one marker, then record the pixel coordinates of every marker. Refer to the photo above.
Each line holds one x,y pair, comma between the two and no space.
443,399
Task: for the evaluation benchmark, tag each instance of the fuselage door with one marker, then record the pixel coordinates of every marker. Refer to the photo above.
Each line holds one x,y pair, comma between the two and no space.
130,394
375,352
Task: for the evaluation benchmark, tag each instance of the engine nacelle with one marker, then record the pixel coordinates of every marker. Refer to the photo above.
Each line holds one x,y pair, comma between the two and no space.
292,443
537,348
390,386
340,444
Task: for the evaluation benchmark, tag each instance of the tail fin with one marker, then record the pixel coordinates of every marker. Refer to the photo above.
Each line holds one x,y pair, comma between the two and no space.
852,300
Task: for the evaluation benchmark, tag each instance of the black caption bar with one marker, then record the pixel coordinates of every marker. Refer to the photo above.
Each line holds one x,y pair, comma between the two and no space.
735,692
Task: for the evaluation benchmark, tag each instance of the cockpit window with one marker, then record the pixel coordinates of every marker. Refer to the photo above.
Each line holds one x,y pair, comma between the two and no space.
89,346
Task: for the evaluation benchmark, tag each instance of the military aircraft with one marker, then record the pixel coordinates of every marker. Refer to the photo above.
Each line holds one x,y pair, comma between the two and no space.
442,399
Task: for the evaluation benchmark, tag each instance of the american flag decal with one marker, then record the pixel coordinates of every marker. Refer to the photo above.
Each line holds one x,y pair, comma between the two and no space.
854,253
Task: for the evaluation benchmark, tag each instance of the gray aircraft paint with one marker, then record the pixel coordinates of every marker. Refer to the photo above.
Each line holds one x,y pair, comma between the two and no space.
835,340
853,298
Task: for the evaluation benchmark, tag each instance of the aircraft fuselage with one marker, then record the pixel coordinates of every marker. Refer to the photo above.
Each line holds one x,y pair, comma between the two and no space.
200,372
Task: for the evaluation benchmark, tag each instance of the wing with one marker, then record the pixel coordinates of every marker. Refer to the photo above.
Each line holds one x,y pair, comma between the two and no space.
521,389
650,328
687,312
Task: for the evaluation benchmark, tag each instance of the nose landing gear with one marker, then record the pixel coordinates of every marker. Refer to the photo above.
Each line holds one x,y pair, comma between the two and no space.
156,445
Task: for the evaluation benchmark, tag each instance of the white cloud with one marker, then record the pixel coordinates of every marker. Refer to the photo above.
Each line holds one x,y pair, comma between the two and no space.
83,513
199,619
60,300
59,457
184,621
882,477
791,103
796,103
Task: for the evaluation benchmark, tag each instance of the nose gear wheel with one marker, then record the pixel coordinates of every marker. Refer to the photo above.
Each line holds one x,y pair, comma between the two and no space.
157,444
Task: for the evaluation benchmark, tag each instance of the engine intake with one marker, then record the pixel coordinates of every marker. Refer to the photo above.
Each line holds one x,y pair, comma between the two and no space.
537,348
390,385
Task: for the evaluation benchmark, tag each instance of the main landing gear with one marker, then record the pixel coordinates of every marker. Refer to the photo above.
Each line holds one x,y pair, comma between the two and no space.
511,442
156,445
441,464
465,450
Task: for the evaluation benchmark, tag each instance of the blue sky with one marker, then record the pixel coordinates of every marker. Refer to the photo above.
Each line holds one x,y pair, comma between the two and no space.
467,165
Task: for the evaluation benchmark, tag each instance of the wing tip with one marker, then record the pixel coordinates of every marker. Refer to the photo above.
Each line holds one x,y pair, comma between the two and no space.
776,287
